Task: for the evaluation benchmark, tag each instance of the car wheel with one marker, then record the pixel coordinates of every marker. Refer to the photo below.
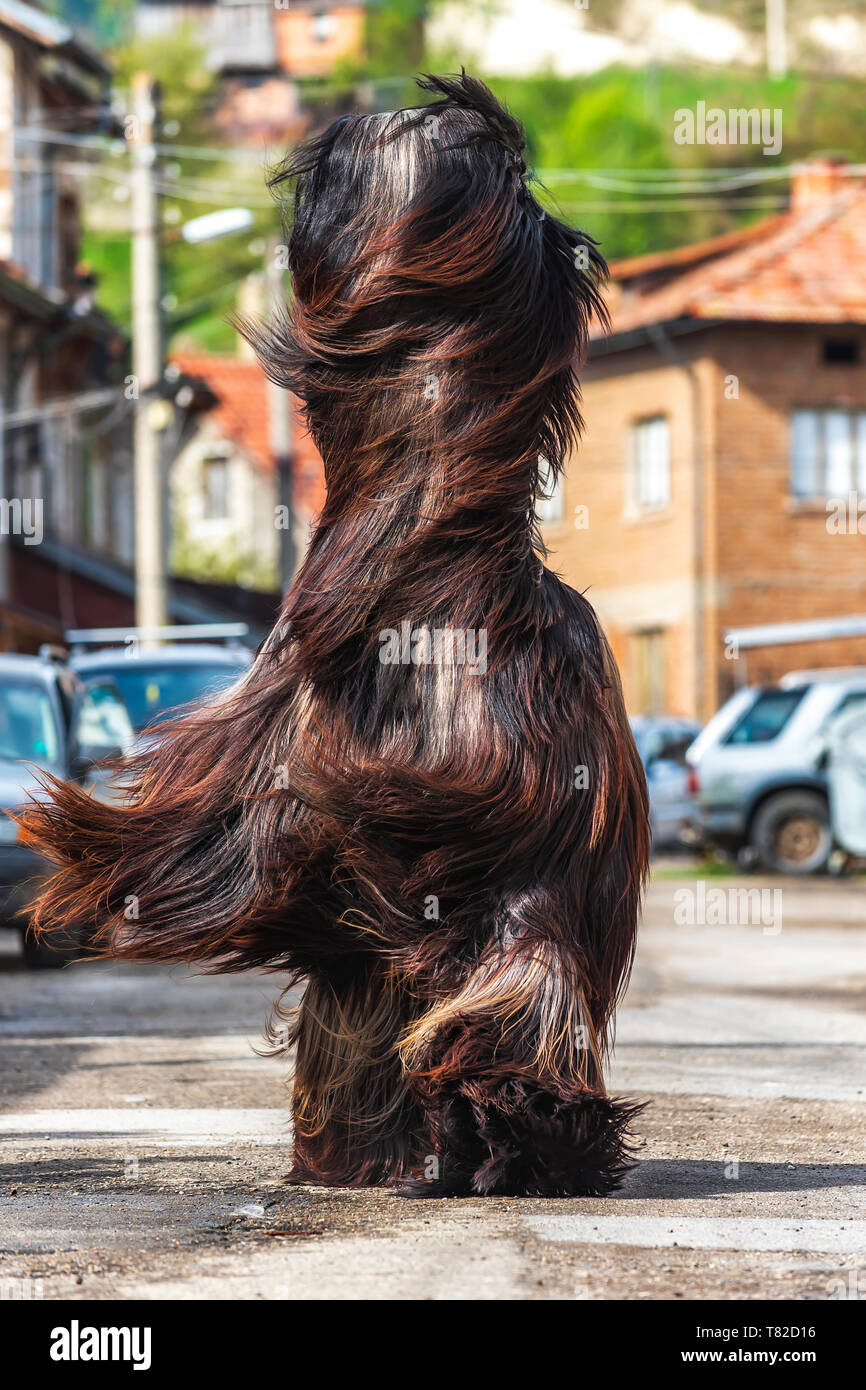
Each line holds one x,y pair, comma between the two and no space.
791,833
49,953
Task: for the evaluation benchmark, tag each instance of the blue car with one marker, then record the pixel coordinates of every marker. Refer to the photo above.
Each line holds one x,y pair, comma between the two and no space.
157,682
662,742
54,721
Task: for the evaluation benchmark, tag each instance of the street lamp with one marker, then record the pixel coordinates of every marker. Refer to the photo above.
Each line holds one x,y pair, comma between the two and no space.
216,224
150,421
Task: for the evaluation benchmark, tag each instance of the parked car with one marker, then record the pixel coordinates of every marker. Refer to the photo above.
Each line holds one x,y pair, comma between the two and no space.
663,742
51,720
761,769
846,777
157,682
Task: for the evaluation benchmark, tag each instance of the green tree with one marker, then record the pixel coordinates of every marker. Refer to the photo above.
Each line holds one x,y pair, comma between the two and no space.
200,282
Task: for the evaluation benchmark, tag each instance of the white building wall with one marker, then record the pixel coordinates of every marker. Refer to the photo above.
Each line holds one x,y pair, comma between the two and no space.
516,38
242,545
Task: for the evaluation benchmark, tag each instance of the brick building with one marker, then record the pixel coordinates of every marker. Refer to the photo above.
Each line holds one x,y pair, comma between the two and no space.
298,38
721,481
223,482
301,38
264,51
312,37
65,427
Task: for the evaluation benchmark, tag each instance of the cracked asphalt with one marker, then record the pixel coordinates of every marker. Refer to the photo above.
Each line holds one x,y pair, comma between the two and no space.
144,1141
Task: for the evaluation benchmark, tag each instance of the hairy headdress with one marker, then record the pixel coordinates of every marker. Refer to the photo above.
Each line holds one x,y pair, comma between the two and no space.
423,799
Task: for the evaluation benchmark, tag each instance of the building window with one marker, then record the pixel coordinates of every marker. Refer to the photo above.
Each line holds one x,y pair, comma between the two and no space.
323,26
843,352
216,488
548,498
651,464
648,671
828,452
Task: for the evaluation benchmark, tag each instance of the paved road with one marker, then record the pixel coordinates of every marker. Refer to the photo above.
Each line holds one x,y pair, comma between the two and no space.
144,1140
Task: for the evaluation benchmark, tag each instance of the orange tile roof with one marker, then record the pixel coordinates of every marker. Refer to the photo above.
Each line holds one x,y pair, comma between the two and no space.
805,265
242,416
693,254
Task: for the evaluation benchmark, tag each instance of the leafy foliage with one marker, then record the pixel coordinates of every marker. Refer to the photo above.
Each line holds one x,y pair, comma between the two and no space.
200,282
619,123
596,141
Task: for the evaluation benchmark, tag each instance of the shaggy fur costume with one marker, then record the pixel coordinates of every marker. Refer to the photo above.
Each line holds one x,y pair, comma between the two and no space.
424,799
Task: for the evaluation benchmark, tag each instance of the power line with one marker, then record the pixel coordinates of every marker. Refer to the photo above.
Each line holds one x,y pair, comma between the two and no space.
117,146
60,407
688,181
682,205
192,195
189,306
684,180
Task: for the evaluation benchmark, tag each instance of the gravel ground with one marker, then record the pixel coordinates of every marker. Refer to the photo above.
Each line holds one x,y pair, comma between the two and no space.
144,1140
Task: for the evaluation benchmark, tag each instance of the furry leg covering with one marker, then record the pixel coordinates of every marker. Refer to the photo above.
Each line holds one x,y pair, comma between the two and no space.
493,1090
355,1122
509,1073
516,1138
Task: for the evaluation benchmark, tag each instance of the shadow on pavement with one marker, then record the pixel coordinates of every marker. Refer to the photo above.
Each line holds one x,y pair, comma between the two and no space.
699,1178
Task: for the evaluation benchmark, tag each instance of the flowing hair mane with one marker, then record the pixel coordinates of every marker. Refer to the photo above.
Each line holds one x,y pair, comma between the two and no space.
440,317
306,821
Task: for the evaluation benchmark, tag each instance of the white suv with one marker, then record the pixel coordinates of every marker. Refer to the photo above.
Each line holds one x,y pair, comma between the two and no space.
759,762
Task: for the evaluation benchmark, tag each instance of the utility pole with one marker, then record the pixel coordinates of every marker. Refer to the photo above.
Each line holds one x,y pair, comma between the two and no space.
280,422
151,609
777,38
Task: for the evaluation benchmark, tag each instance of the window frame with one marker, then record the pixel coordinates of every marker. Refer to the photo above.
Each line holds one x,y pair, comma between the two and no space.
819,466
207,461
322,26
641,500
549,502
648,662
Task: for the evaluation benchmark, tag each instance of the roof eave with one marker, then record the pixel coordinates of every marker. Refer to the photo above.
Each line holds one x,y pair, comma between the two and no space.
22,295
51,35
645,334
